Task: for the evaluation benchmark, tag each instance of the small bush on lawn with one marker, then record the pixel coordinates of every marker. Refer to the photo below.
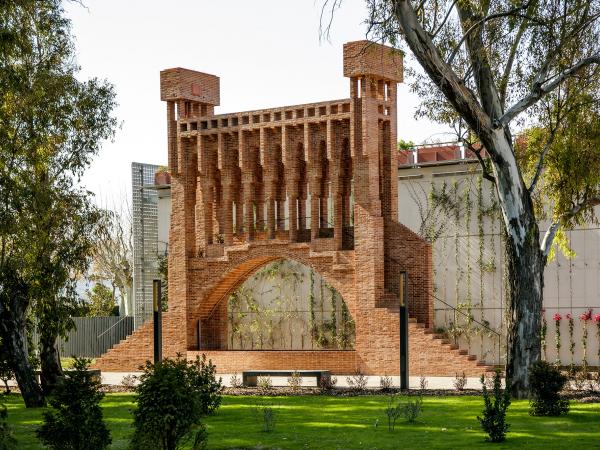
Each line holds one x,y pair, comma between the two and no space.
7,438
295,381
172,396
494,414
393,411
266,414
546,381
413,408
75,420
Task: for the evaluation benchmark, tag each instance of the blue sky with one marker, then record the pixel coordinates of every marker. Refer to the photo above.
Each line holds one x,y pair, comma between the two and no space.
266,52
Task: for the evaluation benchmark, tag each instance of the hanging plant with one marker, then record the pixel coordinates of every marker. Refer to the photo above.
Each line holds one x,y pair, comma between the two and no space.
597,322
571,339
557,318
543,332
311,306
585,318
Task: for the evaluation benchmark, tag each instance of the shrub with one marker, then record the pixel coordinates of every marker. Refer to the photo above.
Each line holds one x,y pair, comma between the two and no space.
386,383
266,414
392,412
295,381
357,382
75,420
235,381
494,414
423,383
7,439
460,381
413,408
172,396
204,381
264,382
546,381
129,381
327,382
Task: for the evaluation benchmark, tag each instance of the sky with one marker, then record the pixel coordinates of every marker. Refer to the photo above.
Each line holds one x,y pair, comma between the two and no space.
267,53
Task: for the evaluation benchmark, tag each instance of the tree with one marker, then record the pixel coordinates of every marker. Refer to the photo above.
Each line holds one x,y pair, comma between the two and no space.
490,67
100,302
113,257
75,421
51,125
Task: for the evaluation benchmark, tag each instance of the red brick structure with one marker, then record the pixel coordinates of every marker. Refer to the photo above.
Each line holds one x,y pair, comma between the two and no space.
252,187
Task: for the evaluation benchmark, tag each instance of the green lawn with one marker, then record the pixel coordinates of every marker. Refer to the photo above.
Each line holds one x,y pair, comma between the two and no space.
323,422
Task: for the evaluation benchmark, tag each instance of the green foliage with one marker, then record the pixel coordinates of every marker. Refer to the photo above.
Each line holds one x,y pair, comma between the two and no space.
172,396
75,422
266,414
493,421
7,437
413,408
6,371
405,145
100,302
52,124
546,381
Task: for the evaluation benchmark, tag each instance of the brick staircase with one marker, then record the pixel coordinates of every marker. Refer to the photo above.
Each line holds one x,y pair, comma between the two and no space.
432,354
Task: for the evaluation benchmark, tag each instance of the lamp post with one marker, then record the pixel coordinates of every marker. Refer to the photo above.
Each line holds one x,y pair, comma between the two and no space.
157,316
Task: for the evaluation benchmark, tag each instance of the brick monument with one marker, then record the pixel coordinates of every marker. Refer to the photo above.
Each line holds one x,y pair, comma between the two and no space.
315,183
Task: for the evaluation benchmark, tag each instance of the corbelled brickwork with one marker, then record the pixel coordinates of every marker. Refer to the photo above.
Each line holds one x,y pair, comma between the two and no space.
315,183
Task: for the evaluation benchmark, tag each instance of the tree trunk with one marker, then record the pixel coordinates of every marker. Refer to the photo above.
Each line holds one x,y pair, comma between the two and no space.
50,363
525,266
14,333
525,276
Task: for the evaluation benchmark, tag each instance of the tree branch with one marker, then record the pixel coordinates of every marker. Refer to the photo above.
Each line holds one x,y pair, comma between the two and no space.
540,164
541,89
419,41
554,227
480,22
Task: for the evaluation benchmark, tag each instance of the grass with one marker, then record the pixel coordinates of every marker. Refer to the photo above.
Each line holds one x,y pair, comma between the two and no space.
322,422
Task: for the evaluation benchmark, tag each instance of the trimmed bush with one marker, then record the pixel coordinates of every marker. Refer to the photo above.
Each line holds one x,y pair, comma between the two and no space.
75,421
172,396
546,381
493,421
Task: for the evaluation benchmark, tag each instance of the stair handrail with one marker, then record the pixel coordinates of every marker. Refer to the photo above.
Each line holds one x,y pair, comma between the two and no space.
112,326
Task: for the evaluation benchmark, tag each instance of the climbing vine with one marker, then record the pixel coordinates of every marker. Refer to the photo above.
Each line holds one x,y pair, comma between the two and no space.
277,309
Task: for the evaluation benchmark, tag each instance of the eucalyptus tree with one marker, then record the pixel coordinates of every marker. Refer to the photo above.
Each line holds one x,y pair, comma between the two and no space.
491,68
51,125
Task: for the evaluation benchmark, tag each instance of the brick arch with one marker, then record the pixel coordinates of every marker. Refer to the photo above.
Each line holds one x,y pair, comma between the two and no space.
221,284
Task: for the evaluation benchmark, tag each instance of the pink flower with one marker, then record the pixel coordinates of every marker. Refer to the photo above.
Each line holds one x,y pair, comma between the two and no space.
586,316
597,318
556,317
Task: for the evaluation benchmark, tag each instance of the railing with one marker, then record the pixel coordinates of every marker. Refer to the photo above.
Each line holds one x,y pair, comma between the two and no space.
456,310
92,336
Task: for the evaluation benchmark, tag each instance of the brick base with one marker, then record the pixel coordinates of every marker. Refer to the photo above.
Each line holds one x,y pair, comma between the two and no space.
429,355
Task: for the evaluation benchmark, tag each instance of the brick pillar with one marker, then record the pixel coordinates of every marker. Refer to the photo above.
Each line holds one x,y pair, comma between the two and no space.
271,216
324,220
249,207
314,214
227,213
293,216
337,220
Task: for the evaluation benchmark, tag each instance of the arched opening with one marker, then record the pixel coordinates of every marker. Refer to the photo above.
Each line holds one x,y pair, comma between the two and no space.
285,305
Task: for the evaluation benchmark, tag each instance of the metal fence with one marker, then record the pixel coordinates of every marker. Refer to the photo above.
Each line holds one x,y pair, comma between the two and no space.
93,336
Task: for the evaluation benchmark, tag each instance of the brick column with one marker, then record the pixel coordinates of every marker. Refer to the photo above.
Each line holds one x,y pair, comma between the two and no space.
293,216
227,213
337,219
249,215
